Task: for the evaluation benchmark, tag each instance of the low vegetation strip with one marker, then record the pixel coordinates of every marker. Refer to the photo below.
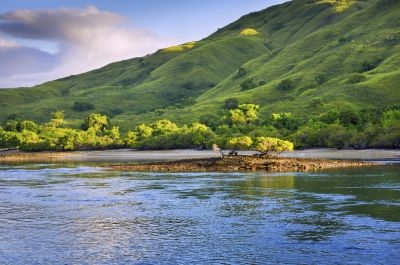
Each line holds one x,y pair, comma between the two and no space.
18,156
241,163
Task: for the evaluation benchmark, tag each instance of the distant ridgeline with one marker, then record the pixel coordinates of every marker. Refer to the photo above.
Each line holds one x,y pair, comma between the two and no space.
320,73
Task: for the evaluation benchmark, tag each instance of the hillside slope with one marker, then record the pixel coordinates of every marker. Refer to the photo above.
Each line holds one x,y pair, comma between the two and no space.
304,56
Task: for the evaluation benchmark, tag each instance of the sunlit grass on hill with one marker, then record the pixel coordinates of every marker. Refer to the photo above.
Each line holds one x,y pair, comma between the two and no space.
340,5
180,48
249,32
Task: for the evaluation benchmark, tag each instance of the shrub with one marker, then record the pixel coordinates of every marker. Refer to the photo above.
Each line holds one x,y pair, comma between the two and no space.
286,84
231,103
248,84
270,146
356,78
82,106
368,66
321,78
241,72
240,143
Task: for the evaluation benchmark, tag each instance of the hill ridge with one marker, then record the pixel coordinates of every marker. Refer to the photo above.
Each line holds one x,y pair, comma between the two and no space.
332,59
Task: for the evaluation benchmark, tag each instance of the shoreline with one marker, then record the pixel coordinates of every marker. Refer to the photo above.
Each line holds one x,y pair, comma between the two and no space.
241,164
192,160
20,156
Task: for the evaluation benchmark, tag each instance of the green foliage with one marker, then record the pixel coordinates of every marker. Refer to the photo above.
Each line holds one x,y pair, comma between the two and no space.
9,139
241,72
285,121
344,40
391,118
211,120
28,126
19,126
317,61
82,106
321,78
12,126
248,84
348,117
285,85
272,146
356,78
231,103
165,134
240,143
57,120
244,114
96,121
368,66
162,127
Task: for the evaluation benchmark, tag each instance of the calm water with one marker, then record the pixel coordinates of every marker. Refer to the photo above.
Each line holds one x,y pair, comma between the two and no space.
76,214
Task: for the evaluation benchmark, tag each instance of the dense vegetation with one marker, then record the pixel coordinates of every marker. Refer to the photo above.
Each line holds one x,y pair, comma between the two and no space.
317,72
239,127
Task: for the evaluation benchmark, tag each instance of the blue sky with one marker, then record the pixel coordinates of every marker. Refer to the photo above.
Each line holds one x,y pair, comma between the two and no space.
41,40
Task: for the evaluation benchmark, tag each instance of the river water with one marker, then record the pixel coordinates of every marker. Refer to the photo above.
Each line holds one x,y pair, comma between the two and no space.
78,213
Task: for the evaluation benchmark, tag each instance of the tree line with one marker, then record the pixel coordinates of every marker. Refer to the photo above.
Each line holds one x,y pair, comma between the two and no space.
239,127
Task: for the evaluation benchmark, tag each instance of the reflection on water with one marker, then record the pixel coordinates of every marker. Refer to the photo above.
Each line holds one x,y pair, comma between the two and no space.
80,214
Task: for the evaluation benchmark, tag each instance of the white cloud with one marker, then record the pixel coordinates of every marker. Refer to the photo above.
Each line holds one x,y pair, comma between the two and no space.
7,44
86,38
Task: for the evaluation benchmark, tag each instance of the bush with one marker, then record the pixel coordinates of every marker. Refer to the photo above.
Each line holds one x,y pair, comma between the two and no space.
320,79
286,84
241,72
368,66
82,106
272,146
211,120
239,143
356,78
231,103
248,84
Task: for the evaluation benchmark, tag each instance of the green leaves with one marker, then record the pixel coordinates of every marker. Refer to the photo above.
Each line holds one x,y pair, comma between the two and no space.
244,114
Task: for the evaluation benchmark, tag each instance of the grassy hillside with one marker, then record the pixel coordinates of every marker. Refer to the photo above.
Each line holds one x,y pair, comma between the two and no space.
305,57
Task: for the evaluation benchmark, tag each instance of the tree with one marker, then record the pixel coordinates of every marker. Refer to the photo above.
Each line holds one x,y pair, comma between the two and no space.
210,119
201,135
269,146
28,125
248,84
96,121
244,114
113,136
284,120
231,103
139,133
56,120
82,106
348,117
161,127
11,126
240,143
30,141
286,84
390,118
9,140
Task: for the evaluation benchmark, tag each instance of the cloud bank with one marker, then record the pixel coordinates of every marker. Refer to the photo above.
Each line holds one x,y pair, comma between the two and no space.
86,39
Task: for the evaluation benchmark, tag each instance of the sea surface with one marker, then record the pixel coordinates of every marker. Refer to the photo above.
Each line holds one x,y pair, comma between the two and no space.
80,213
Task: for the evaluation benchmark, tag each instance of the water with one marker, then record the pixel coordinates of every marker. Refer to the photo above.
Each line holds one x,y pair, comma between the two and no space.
80,214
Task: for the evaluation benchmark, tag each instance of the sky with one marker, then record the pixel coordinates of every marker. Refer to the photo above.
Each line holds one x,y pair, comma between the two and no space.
42,40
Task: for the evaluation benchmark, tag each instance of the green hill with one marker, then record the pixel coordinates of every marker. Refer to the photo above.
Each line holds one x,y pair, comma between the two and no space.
305,56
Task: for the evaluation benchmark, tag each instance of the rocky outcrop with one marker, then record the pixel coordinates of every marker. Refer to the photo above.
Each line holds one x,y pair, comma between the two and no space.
241,163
